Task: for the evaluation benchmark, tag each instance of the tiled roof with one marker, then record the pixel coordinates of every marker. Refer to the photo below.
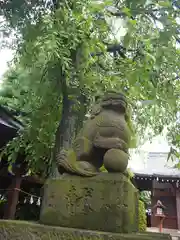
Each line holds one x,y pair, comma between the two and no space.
164,172
158,166
8,119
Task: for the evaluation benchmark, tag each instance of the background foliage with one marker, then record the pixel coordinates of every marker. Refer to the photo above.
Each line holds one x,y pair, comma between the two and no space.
67,53
145,197
142,217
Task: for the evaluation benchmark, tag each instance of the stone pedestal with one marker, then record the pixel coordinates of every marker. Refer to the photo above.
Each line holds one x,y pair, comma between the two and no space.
107,202
104,207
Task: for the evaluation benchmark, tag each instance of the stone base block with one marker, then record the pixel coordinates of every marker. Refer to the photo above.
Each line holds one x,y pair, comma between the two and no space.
107,202
17,230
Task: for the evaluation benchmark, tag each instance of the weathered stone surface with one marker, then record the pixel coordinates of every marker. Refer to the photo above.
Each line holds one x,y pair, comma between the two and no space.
17,230
107,202
103,140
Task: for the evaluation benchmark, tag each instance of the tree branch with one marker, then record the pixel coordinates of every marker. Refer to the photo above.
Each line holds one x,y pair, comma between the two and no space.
115,48
55,4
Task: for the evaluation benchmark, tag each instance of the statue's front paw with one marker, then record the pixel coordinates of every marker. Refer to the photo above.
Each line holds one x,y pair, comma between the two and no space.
86,166
122,146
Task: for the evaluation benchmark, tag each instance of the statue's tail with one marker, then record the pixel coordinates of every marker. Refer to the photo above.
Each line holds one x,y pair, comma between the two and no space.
66,162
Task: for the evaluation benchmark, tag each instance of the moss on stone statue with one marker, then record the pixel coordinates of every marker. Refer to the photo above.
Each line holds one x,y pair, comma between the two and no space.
19,230
107,202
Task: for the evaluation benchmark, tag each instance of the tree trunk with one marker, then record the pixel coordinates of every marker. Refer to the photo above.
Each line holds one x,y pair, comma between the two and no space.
81,113
65,132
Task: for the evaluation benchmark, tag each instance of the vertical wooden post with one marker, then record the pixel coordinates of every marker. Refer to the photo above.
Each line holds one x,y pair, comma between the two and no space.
13,196
161,224
178,207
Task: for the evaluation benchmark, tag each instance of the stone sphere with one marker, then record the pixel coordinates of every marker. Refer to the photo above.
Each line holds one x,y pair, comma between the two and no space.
115,160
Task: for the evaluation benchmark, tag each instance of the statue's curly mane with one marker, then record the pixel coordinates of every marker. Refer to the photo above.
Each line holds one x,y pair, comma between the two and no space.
108,101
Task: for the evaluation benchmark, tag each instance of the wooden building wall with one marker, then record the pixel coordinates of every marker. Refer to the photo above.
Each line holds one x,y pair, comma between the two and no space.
166,193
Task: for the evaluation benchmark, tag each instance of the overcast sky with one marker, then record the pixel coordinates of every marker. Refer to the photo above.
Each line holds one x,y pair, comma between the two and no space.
6,55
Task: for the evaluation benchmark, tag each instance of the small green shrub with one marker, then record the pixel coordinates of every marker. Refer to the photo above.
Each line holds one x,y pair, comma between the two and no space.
142,217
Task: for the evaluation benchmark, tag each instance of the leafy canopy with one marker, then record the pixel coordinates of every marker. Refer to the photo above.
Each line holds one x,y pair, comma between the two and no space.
71,48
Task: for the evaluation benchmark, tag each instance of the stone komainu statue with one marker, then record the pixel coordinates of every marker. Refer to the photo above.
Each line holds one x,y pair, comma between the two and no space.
104,139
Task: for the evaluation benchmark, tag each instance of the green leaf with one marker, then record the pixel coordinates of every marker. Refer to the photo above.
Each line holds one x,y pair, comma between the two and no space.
127,11
164,3
151,56
127,39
